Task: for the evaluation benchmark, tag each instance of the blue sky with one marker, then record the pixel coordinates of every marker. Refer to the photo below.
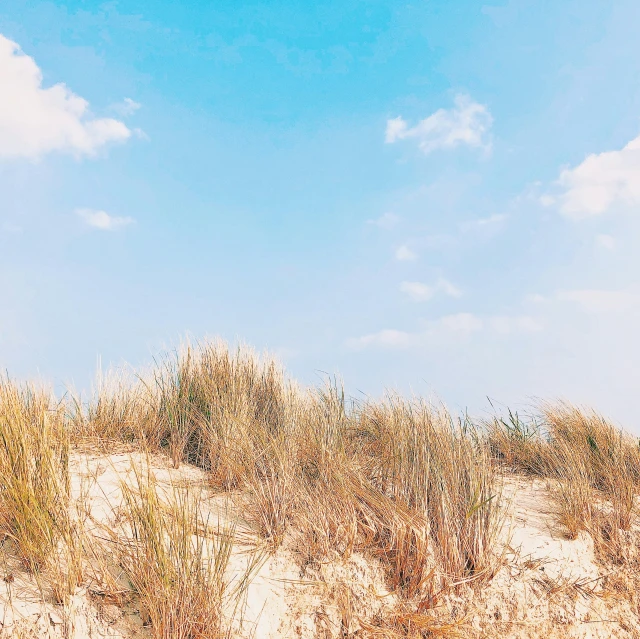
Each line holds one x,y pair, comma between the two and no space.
435,197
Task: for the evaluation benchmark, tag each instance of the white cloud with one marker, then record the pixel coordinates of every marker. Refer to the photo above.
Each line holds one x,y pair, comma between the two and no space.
448,288
36,120
490,222
602,180
385,221
606,241
534,298
405,254
449,327
601,301
460,324
466,123
420,292
102,220
506,324
126,107
389,338
396,130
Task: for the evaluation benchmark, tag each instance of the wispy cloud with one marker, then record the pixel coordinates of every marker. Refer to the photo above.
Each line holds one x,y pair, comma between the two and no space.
484,223
534,298
389,338
449,327
506,324
102,221
601,181
467,123
601,301
405,254
461,324
126,108
385,221
35,121
448,288
606,241
420,292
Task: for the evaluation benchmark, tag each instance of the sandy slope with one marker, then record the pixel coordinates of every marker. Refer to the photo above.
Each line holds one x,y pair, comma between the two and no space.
547,587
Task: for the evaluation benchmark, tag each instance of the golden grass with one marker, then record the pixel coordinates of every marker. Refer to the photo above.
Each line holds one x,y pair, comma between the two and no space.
400,480
518,442
34,473
118,409
434,468
175,563
219,409
593,467
600,456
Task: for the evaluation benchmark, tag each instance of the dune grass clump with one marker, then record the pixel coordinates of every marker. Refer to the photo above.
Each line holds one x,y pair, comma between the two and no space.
325,511
119,409
433,467
402,482
232,413
219,409
229,412
596,466
518,442
34,473
175,562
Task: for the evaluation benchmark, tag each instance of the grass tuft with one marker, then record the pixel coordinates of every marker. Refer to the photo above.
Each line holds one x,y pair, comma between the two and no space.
175,563
34,473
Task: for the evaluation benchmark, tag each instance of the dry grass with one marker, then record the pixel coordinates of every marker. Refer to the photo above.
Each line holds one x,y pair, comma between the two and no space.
176,564
219,409
593,467
34,474
433,467
119,409
402,482
399,480
518,442
413,625
590,452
